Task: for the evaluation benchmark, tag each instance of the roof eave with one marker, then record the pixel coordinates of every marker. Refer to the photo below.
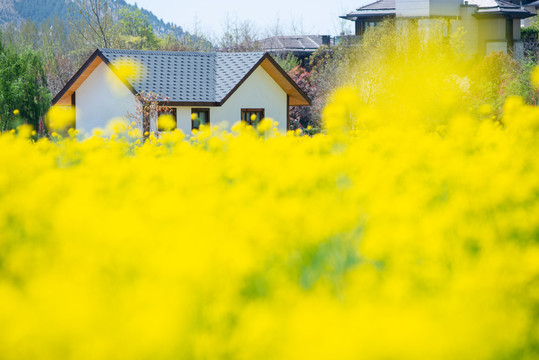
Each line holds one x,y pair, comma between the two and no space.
359,16
96,54
506,14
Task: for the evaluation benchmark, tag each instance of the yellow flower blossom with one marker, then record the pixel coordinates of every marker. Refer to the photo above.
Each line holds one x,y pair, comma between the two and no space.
407,230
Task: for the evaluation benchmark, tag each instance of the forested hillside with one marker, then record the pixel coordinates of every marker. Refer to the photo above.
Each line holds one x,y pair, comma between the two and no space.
44,11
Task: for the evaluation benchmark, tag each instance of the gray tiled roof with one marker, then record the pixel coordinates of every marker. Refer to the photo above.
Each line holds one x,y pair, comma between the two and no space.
499,7
186,76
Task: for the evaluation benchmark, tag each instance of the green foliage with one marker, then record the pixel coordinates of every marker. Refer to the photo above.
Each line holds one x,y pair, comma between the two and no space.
135,30
288,62
24,96
530,32
498,76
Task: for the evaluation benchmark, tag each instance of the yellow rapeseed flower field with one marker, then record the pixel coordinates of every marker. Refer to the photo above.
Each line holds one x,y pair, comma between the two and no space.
382,238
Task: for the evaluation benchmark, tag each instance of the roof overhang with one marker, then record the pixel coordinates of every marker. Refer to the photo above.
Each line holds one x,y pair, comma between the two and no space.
369,15
504,14
97,58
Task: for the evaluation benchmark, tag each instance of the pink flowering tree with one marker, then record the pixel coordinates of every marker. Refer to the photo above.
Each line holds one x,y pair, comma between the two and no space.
303,116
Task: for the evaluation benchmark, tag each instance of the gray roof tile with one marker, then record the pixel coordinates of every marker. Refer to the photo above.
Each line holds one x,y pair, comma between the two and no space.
291,43
186,76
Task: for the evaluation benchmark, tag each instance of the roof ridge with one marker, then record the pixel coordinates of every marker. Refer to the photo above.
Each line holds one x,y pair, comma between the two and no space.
177,53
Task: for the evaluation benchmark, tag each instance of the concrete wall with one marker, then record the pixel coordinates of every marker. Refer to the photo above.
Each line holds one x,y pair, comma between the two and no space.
448,8
412,8
425,8
101,98
259,91
468,28
516,29
492,35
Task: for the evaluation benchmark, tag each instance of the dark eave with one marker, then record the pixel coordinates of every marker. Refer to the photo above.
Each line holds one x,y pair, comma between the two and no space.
503,13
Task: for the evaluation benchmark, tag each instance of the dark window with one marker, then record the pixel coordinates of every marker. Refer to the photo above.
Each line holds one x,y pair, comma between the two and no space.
199,117
163,125
252,116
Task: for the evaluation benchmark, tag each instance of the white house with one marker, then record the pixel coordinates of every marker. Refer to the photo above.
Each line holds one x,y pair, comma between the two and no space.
216,87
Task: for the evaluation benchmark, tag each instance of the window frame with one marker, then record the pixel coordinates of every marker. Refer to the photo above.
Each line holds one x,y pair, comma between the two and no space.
199,110
252,110
170,111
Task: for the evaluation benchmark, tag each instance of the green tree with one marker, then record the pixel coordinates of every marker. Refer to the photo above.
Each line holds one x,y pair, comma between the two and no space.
288,62
24,96
135,30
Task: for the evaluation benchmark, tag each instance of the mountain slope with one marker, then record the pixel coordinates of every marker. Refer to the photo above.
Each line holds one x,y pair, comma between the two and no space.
46,10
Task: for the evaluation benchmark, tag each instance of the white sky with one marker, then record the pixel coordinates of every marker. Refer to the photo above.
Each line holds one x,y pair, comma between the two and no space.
294,16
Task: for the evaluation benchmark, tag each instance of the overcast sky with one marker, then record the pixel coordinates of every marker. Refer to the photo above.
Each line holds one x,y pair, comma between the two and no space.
311,16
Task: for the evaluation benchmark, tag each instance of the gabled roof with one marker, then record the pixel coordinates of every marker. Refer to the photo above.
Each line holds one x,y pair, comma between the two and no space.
384,8
379,8
185,78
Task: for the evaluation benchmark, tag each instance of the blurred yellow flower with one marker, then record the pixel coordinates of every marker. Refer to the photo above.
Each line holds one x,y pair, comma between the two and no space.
166,122
60,118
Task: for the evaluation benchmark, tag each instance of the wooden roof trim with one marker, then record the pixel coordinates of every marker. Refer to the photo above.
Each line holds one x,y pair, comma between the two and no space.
95,59
64,96
297,96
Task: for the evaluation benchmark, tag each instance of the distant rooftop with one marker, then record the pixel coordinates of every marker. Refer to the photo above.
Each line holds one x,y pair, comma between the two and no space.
499,7
296,43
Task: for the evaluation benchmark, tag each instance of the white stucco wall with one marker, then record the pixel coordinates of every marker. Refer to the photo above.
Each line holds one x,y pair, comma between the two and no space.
100,98
103,97
259,91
